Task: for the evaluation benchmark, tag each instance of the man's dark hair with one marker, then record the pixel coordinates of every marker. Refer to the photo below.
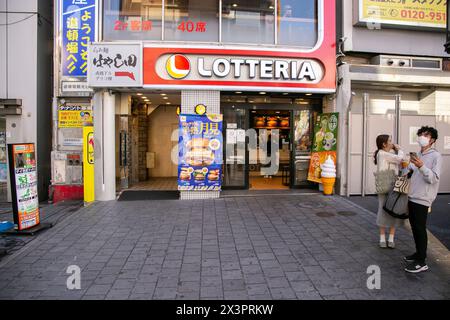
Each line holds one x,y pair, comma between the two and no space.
426,129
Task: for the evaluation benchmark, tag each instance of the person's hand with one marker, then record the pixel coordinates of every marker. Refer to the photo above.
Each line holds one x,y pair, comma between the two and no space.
396,147
417,162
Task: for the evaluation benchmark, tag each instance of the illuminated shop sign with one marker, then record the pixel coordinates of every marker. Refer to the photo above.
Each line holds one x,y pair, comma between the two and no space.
237,68
180,66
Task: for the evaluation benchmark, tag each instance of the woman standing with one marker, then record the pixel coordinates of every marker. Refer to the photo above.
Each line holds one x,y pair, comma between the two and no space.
386,161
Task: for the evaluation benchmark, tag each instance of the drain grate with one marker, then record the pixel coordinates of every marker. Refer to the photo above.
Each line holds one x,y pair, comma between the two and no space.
324,214
347,213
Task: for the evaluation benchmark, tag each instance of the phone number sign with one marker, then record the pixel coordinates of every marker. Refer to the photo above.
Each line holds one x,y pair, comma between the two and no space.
423,13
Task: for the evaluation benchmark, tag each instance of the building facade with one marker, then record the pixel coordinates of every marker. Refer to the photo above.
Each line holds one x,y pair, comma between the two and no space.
392,78
273,70
26,53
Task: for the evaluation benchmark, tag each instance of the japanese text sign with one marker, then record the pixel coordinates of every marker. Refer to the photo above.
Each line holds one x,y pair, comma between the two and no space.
78,21
115,65
200,151
417,13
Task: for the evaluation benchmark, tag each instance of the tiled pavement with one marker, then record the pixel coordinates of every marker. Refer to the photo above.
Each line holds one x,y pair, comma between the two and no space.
259,247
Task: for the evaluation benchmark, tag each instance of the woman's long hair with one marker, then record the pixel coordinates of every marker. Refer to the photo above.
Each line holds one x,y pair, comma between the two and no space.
381,140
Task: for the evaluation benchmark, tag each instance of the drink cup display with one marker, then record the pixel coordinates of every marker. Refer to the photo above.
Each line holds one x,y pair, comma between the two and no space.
328,176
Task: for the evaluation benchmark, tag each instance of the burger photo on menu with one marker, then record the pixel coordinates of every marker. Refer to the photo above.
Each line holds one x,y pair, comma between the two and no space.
199,153
213,175
199,175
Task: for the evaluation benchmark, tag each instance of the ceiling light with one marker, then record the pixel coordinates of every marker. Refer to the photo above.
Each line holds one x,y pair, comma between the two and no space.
139,94
163,94
238,92
262,92
234,5
308,94
167,102
165,98
285,93
271,7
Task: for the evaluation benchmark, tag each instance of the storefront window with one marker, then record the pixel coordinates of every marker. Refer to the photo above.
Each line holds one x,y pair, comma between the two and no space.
247,21
132,20
297,23
191,20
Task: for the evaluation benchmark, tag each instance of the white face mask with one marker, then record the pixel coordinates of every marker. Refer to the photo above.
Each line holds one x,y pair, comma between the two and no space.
423,141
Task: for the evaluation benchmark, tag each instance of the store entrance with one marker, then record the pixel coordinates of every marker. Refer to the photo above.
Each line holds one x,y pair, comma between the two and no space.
269,155
267,146
146,141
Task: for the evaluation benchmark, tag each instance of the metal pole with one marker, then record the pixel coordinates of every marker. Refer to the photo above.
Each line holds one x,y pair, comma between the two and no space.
364,148
397,118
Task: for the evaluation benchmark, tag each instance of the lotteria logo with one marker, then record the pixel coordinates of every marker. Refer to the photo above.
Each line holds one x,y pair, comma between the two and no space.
178,66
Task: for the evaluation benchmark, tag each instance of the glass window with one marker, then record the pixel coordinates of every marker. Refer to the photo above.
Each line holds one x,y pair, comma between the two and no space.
297,23
248,21
132,20
191,20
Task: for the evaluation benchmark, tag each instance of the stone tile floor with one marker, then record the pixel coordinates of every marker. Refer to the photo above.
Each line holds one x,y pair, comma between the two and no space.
256,247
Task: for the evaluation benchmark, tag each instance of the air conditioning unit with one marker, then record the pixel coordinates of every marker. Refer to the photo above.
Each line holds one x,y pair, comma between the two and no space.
407,62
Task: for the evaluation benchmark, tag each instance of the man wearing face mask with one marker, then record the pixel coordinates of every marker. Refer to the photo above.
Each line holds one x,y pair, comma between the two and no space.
424,186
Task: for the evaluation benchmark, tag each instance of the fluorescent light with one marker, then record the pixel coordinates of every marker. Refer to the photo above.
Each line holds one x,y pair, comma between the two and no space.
163,94
139,94
285,93
238,92
308,94
262,92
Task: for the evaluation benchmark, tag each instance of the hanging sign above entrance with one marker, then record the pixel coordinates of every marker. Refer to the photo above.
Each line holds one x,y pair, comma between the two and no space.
115,65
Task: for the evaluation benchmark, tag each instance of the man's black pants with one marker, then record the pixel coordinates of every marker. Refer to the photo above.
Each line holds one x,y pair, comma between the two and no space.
418,219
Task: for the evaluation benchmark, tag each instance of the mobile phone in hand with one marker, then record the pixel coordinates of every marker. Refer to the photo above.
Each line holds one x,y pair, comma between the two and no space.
413,155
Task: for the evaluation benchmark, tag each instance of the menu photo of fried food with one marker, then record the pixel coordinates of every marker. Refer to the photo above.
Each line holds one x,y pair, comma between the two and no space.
213,175
185,174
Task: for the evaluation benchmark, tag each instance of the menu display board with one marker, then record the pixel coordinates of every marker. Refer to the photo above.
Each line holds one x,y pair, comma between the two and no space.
24,191
325,143
200,148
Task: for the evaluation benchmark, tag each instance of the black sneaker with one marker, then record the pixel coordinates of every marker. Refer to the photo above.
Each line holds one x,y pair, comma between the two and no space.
410,258
416,267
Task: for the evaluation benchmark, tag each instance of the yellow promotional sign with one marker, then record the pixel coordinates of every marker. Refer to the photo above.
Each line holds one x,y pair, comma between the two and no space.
74,116
428,14
88,164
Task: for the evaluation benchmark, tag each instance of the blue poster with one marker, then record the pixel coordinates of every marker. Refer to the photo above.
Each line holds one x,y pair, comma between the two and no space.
78,22
200,152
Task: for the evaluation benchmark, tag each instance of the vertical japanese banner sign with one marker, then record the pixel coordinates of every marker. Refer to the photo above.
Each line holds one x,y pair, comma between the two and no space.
325,143
24,190
78,21
88,164
200,152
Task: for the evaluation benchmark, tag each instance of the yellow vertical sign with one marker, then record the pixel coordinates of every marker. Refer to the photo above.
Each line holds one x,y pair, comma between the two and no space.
88,164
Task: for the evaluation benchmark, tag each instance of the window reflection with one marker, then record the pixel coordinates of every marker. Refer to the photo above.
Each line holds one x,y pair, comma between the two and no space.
297,22
191,20
248,21
132,20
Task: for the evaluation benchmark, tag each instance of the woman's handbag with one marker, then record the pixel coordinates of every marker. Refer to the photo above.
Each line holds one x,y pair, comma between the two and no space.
384,180
396,203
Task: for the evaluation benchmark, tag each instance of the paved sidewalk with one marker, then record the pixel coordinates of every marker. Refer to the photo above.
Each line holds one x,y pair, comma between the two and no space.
261,247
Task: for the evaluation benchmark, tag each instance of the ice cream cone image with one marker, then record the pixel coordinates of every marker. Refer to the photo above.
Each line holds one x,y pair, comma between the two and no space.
328,176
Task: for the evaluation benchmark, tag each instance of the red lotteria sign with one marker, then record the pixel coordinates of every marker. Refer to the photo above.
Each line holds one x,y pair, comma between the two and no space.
227,68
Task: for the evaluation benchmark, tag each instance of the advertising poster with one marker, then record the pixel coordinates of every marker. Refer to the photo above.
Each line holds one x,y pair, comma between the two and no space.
324,143
78,23
24,191
427,14
88,164
200,152
75,116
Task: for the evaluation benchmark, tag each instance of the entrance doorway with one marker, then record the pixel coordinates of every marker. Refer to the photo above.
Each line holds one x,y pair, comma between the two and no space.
267,141
272,130
146,141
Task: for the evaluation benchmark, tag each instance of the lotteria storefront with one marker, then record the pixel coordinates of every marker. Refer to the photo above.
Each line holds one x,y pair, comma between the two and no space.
201,96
